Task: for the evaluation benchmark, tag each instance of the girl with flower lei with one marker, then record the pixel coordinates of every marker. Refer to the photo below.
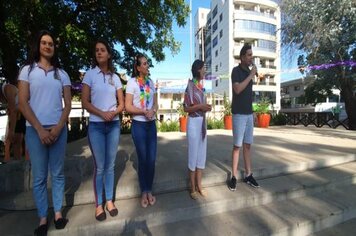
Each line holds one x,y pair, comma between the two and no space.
196,106
141,103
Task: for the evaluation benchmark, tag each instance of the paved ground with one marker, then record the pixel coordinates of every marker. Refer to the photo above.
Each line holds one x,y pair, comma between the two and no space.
277,151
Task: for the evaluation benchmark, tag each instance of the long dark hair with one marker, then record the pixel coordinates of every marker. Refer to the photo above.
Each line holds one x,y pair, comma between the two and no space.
35,51
137,63
95,63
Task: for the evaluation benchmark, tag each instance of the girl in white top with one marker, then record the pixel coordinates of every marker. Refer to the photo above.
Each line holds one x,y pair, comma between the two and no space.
42,87
141,102
103,98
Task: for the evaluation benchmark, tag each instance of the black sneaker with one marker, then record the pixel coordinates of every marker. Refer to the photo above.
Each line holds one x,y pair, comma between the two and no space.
251,181
232,184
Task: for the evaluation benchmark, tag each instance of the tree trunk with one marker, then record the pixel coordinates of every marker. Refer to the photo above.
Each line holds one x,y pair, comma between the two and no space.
349,97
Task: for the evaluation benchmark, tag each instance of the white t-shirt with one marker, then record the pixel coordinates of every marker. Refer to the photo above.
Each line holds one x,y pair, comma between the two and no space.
103,94
46,93
133,88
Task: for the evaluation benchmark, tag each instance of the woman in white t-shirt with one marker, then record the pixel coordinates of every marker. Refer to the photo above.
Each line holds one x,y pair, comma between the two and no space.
141,102
103,98
42,87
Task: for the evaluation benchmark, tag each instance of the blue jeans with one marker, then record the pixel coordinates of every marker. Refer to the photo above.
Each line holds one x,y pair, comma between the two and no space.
103,140
144,135
43,158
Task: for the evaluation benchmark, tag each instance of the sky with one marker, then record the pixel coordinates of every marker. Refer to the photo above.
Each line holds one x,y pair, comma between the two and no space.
178,66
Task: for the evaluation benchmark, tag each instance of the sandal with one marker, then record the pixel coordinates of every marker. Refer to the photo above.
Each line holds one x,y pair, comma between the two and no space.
194,195
203,192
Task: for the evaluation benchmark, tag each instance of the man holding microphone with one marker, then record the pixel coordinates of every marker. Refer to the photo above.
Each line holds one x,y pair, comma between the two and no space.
242,119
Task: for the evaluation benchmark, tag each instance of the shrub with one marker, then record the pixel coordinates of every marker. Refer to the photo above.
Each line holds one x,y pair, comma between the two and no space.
279,119
215,124
169,126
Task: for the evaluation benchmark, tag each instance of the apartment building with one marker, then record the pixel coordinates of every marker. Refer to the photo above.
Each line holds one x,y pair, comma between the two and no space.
222,30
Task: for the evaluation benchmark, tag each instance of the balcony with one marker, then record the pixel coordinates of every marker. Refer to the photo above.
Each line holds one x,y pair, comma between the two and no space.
269,4
253,34
253,13
257,52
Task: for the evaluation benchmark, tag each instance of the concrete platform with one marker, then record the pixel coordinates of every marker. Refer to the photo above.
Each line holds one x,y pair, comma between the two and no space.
289,163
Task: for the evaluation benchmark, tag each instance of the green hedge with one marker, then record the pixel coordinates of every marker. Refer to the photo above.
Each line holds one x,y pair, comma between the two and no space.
215,124
168,126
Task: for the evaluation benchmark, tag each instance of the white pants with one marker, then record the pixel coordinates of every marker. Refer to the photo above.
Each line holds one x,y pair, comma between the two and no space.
196,144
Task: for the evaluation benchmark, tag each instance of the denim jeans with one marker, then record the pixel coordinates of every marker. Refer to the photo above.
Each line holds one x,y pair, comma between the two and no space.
144,135
46,158
103,140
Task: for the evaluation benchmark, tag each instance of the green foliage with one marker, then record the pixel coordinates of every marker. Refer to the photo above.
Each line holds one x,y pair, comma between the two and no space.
325,32
132,25
227,106
215,124
279,119
180,110
168,126
262,107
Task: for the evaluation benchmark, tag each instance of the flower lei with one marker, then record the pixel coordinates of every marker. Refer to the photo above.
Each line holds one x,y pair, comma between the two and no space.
144,84
199,85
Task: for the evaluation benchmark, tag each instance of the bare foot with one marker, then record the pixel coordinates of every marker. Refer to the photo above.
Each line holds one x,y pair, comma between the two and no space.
151,199
144,200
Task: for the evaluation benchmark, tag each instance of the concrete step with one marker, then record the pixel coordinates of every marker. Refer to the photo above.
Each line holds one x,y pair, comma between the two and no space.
276,150
300,216
347,228
178,207
83,193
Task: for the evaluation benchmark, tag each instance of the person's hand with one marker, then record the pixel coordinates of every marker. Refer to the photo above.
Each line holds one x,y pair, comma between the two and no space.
253,70
44,135
205,107
54,132
150,114
107,115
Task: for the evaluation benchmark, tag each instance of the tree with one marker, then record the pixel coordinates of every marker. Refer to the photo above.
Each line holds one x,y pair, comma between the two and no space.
135,25
325,31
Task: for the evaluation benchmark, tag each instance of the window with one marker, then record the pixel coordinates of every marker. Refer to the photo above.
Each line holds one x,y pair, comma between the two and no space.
176,97
215,11
296,88
267,44
221,33
220,17
216,53
216,83
216,68
215,41
215,26
255,26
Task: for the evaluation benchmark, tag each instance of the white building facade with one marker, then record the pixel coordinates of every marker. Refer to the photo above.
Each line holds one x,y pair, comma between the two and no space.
222,30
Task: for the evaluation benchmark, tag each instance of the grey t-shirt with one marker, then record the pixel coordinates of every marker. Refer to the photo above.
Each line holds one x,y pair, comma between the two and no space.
241,103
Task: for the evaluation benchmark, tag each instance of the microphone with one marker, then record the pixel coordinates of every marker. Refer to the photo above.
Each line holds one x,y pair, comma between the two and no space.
256,70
